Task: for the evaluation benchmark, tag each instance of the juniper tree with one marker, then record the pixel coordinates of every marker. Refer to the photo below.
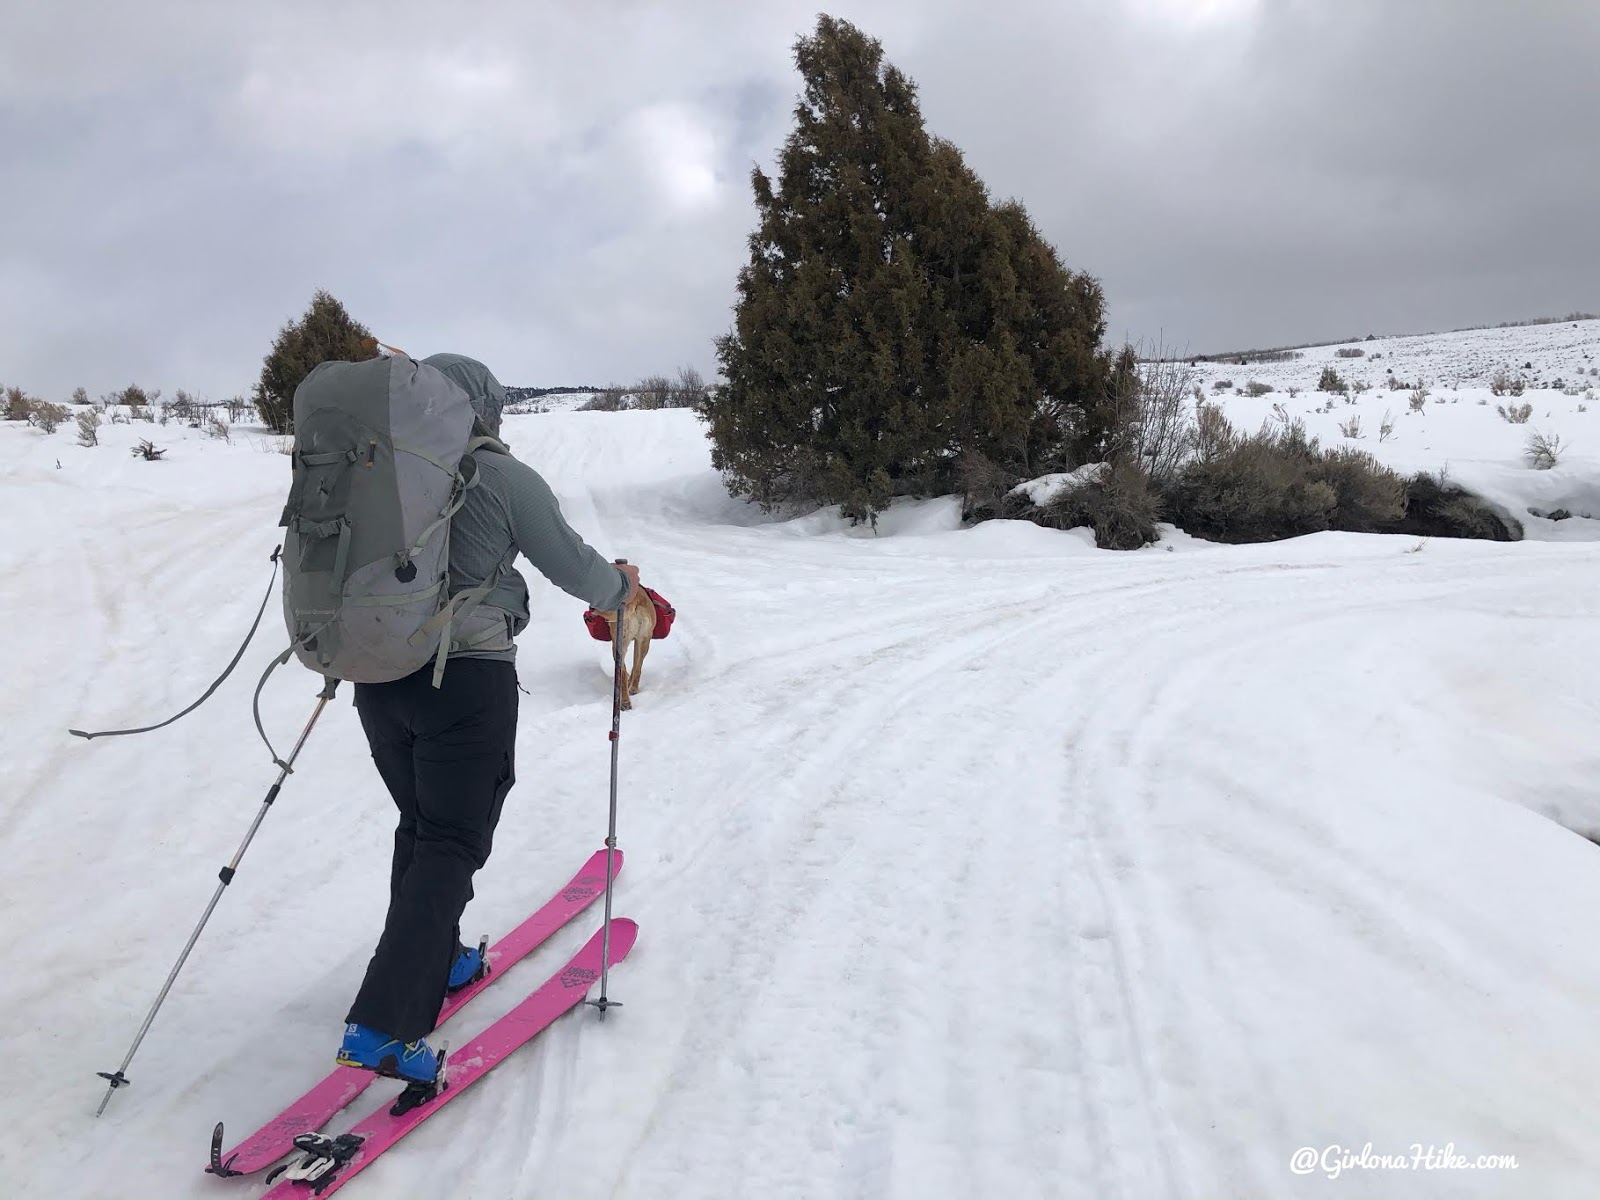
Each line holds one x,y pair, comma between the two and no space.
325,333
890,316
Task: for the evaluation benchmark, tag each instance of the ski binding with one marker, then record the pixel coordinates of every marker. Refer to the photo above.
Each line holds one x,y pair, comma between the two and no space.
323,1157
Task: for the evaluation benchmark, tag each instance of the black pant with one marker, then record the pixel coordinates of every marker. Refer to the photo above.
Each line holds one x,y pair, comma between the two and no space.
447,756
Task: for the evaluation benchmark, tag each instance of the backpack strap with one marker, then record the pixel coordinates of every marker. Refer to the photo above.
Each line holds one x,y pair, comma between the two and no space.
463,602
457,607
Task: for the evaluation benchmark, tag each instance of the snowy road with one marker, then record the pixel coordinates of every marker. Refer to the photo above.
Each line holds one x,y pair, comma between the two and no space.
968,863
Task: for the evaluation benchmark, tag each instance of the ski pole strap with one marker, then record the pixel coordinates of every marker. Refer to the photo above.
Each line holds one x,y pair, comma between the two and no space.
255,709
254,625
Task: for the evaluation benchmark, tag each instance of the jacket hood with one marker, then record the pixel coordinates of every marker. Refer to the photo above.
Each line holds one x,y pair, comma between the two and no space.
480,385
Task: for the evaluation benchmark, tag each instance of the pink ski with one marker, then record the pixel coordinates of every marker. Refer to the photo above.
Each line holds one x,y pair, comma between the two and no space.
330,1163
313,1110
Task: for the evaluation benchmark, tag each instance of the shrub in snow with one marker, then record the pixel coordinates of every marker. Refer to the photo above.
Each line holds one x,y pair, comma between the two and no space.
1370,497
1351,428
1280,483
1148,414
147,451
79,396
1222,385
1256,388
46,416
1503,383
238,408
1360,386
18,404
216,427
1438,508
1543,451
653,391
1386,428
183,407
984,486
1351,352
1517,414
610,399
1213,434
1118,503
134,398
89,427
1418,398
1329,381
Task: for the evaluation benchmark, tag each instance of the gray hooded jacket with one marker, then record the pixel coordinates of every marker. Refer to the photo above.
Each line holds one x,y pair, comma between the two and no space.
512,511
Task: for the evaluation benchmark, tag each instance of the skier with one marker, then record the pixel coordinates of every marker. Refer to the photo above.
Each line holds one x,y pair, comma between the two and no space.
446,754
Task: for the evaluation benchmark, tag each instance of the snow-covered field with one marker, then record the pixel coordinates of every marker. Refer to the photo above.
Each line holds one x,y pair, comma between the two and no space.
1460,427
968,862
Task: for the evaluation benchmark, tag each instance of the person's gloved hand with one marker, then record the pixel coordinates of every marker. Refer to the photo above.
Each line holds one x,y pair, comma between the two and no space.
632,572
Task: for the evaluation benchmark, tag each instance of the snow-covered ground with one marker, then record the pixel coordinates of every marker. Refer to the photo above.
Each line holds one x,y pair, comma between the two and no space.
968,862
1460,427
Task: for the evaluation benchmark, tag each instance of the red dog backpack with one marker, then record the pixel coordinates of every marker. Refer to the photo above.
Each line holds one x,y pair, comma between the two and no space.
665,614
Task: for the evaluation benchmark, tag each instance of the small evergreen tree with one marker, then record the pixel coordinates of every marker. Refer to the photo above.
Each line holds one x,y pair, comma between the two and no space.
326,333
890,318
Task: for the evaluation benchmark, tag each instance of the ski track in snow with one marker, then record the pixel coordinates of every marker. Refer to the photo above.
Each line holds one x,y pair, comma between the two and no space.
968,863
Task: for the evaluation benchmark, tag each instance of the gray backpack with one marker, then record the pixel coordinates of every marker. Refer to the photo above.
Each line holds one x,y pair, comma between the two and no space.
382,461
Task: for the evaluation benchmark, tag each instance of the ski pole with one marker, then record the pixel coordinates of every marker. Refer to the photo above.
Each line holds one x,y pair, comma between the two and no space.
611,831
117,1078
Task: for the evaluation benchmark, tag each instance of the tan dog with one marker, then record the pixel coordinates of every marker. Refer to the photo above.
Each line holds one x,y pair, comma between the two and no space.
638,625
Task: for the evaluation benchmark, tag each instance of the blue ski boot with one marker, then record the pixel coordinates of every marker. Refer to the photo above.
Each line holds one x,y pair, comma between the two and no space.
471,964
370,1050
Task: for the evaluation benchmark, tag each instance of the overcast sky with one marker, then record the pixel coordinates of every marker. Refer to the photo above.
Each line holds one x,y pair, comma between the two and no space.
562,189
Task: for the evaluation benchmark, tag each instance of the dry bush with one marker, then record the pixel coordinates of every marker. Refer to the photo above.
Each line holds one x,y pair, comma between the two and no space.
984,486
147,451
1543,451
1159,430
1279,483
89,427
1517,414
183,407
46,416
18,404
1257,389
610,399
1504,383
1351,428
1122,507
1350,352
1214,434
1437,508
690,389
216,427
79,396
1386,427
1330,381
653,391
1418,398
1370,497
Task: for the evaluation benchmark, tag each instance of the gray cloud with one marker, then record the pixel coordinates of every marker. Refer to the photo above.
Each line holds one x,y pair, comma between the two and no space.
565,194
